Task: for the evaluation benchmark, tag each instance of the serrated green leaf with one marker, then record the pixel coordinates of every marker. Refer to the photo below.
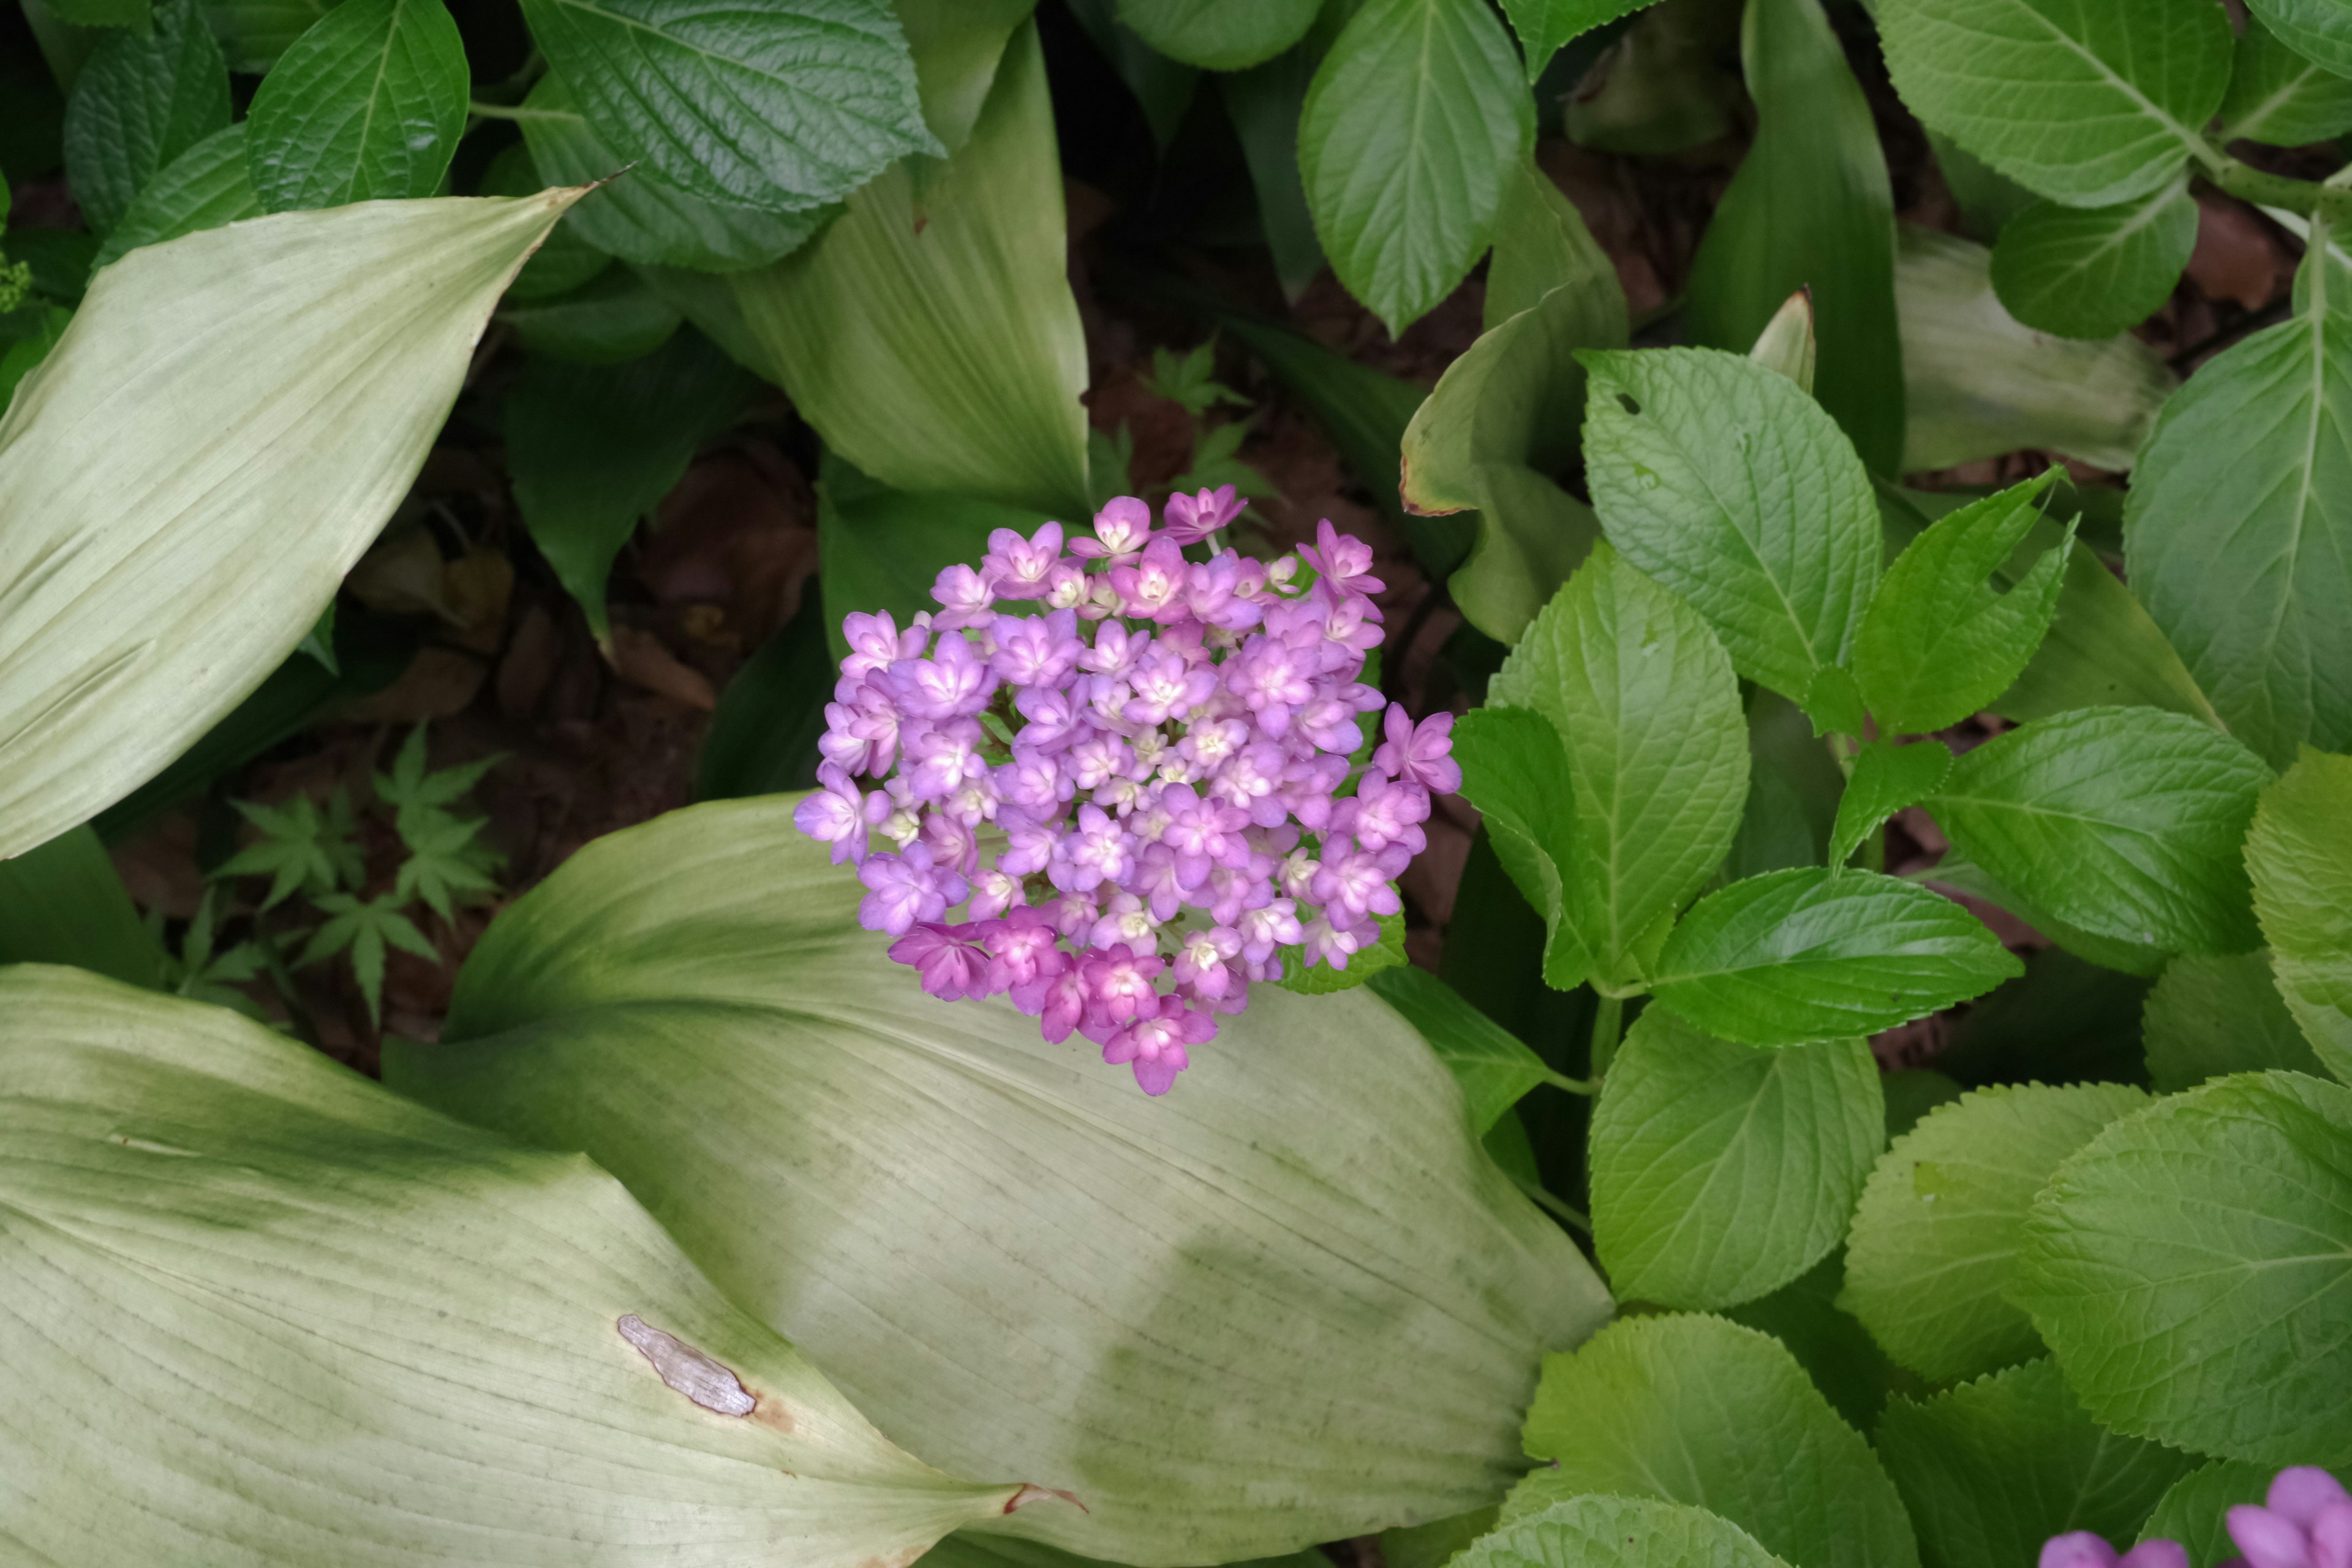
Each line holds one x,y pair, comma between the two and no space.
1993,1468
203,188
446,859
1695,1410
141,100
1724,481
63,903
784,106
1217,36
1886,778
2299,854
1938,644
300,847
2278,96
1514,764
2122,822
365,106
1936,1234
1644,700
2091,272
2194,1511
1792,792
1721,1173
1493,1067
254,33
1618,1533
2135,955
2209,1017
2319,30
1543,26
2192,1269
1414,118
312,362
2101,100
1852,1373
387,1339
1833,702
364,928
1813,954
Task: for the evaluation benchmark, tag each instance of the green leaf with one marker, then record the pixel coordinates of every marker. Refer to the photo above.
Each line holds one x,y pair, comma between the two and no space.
1416,118
1810,208
2192,1269
2194,1511
957,46
1935,1234
63,903
1543,26
1618,1533
1162,87
2123,822
367,105
1217,36
2319,30
2101,651
1886,778
1721,1173
2091,272
254,33
1723,480
1699,1411
1493,1067
2101,100
313,360
1265,103
1189,379
411,791
1792,792
1514,761
203,188
141,100
2142,955
784,106
2209,1017
136,15
1937,644
1911,1093
1993,1468
882,550
613,319
1659,89
1645,703
363,929
388,1339
1786,342
2301,861
299,849
25,355
2278,96
1372,1376
446,860
1802,955
1387,953
939,348
565,260
593,450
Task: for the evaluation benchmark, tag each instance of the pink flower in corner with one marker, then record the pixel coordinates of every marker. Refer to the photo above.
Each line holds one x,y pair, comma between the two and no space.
1155,1043
2304,1521
1421,752
1191,518
2084,1550
1344,561
1019,568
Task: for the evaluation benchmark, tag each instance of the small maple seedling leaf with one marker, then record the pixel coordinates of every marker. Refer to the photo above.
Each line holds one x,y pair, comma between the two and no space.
202,976
299,849
364,928
446,856
410,789
1190,381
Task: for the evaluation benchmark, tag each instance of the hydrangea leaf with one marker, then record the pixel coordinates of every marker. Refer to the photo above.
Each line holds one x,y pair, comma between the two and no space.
611,320
1217,36
1543,26
2278,96
254,33
2319,30
203,188
1514,761
2300,856
142,99
2194,1511
2091,272
1618,1533
1886,778
366,105
2209,1017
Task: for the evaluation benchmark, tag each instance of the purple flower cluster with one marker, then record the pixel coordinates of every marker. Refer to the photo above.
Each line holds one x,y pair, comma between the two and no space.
2304,1521
1135,766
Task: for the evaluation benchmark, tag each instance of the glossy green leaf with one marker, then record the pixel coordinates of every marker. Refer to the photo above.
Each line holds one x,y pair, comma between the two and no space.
1618,1533
2091,272
694,1003
203,188
254,33
1935,1234
1937,644
957,46
1493,1067
2142,955
1514,765
63,903
785,105
2101,100
2209,1017
2125,821
367,105
2192,1269
1724,481
1416,118
1810,208
2278,96
1543,26
942,349
614,318
312,361
1813,954
1645,703
1695,1410
2194,1511
1720,1172
141,100
2299,854
591,452
2317,29
1216,35
382,1338
1886,778
1993,1468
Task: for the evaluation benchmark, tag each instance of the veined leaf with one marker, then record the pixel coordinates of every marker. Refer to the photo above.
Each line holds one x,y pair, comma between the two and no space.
2091,272
309,361
1618,1533
2209,1017
957,46
1514,766
2320,30
2278,96
384,1338
1886,778
939,348
203,188
1265,104
1493,1067
2194,1511
1216,35
1043,1264
2300,856
254,33
1543,26
366,105
62,903
144,98
2101,651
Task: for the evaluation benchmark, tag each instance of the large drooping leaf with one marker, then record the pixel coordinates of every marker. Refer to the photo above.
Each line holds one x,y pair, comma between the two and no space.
62,903
787,104
2191,1267
368,104
2209,1017
2299,854
2317,29
1695,1410
203,187
2099,100
1216,35
1810,208
1935,1234
2279,97
1416,115
358,1332
2091,272
2258,439
996,1245
1603,1532
1725,482
1991,1469
1720,1172
1647,709
957,46
936,345
2122,822
140,101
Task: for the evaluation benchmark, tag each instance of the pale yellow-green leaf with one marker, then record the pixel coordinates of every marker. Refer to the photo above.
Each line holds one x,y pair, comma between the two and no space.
220,433
257,1310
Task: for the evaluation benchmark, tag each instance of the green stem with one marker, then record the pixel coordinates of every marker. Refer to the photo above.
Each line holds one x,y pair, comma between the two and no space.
1844,748
508,111
1571,1215
1573,1085
2307,198
1608,1013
